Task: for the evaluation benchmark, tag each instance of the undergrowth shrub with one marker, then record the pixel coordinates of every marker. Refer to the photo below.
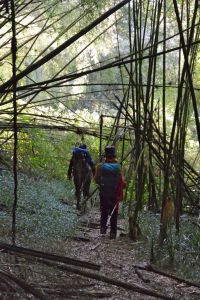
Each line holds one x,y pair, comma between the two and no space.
42,217
180,250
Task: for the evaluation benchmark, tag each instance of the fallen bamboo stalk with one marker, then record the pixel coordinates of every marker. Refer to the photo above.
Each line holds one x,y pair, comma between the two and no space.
89,224
78,293
78,239
30,252
26,287
102,278
94,225
95,247
150,268
145,280
118,283
46,286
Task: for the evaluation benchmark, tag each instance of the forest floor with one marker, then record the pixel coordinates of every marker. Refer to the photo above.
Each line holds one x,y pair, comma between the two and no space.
118,259
120,277
24,277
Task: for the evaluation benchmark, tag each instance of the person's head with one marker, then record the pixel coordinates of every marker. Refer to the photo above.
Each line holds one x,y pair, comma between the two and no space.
110,152
83,146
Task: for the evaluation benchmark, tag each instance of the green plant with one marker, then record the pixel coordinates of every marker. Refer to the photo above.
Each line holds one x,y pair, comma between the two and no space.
170,243
42,216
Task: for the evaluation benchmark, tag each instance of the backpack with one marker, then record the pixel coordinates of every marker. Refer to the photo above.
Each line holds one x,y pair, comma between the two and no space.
109,177
80,153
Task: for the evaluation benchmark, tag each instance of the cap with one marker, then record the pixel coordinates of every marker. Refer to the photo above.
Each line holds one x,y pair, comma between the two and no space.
83,146
110,151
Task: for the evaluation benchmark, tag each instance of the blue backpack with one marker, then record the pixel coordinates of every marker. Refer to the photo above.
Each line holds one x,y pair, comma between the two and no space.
109,178
84,153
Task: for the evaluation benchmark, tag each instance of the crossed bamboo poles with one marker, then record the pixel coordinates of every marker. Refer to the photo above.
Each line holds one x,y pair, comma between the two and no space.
135,101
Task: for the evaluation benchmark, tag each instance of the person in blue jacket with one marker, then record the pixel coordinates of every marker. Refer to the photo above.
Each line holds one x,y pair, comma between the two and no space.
81,150
80,167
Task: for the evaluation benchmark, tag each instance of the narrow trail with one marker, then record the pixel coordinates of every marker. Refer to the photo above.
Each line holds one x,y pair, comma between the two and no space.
87,265
118,259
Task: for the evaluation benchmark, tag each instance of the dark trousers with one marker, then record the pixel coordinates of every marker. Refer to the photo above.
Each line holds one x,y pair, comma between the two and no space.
107,204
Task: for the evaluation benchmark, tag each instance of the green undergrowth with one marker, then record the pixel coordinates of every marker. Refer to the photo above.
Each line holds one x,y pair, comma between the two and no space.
45,214
180,252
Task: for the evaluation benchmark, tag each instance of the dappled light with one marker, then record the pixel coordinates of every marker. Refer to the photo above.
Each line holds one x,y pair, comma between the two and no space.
99,156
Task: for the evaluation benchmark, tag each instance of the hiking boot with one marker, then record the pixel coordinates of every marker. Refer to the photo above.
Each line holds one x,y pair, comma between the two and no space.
103,230
113,235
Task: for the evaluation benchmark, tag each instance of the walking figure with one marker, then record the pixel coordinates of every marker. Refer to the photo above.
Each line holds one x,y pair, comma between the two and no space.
111,183
81,167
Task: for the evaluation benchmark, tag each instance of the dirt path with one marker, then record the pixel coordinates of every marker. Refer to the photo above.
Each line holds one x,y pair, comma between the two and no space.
117,278
117,259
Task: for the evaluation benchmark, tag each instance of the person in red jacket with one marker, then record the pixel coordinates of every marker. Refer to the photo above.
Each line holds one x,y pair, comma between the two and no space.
111,183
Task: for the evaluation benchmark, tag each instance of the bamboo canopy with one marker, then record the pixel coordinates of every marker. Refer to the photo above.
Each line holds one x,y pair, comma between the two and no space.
139,97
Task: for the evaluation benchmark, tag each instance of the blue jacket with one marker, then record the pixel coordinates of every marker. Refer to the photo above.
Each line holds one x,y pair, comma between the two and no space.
85,152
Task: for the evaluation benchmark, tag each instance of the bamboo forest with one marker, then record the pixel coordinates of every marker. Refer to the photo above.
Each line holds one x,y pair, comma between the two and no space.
99,149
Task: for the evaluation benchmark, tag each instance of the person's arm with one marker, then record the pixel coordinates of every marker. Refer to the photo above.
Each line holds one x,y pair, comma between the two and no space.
97,174
121,185
69,172
123,180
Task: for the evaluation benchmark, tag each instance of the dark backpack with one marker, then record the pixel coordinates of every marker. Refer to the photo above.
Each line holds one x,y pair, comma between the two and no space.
109,177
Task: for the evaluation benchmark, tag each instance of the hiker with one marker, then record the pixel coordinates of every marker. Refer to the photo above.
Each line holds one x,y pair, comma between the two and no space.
84,153
111,183
81,166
